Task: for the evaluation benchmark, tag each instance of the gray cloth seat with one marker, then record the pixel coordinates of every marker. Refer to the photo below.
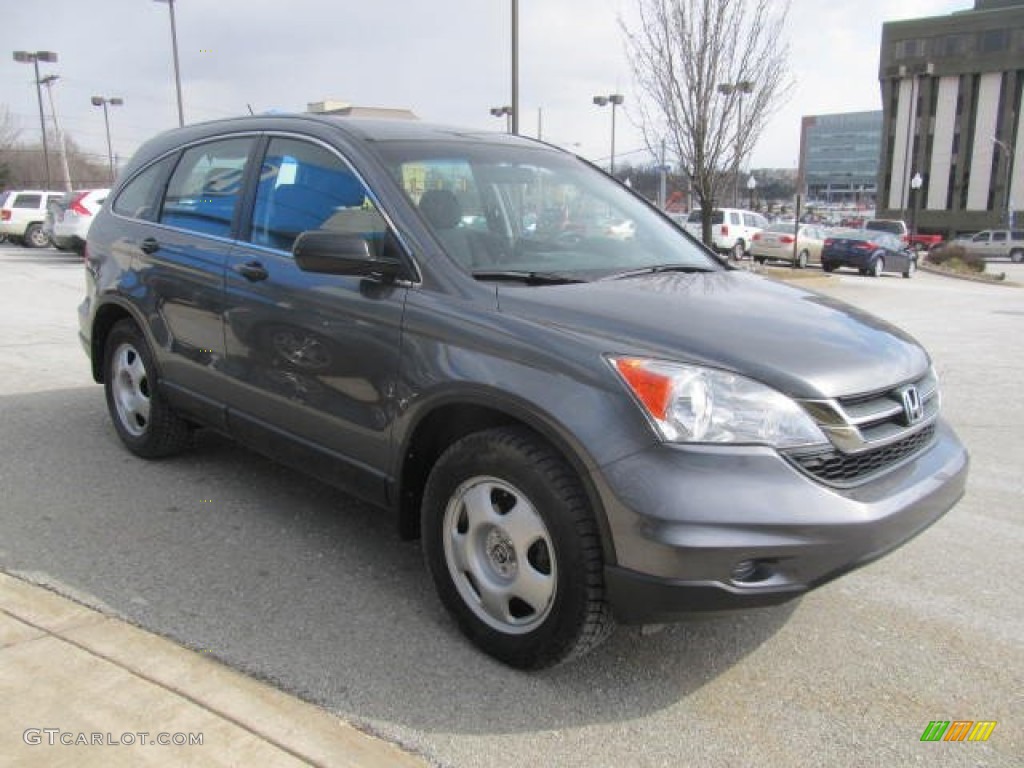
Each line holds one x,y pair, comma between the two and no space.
442,211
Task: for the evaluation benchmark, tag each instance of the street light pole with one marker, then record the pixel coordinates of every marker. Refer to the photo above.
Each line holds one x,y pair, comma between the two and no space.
513,118
915,189
739,89
98,101
48,81
177,71
25,57
508,113
1008,173
614,99
751,186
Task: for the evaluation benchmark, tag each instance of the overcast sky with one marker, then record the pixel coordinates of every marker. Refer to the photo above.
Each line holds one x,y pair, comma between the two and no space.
447,60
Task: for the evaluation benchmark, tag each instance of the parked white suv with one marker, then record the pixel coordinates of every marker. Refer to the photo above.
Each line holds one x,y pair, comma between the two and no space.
995,244
732,229
22,217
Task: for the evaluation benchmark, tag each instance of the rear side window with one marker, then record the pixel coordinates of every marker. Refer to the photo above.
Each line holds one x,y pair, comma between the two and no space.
140,198
998,237
734,218
205,187
27,201
1017,234
892,227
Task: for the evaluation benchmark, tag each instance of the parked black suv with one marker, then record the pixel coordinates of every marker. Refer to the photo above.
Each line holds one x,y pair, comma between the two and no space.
584,420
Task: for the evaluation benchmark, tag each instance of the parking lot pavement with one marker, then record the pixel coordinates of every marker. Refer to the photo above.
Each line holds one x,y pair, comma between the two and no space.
289,581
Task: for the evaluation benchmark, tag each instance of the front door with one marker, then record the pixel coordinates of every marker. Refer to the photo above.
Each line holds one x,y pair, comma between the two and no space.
313,356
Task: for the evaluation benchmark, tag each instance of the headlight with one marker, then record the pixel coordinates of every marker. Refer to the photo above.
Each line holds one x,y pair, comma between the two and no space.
693,404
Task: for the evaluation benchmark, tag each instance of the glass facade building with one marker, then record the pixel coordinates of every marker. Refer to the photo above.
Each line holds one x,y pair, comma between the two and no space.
839,156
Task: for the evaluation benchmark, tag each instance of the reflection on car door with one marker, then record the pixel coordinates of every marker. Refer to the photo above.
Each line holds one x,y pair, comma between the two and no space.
184,258
313,356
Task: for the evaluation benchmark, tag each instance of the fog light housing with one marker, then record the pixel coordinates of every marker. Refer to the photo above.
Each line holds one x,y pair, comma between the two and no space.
753,571
744,570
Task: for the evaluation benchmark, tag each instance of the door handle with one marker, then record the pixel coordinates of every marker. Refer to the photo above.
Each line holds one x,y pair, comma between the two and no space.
252,270
150,245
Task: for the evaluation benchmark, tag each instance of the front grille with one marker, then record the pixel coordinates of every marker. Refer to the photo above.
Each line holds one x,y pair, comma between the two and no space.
837,468
870,432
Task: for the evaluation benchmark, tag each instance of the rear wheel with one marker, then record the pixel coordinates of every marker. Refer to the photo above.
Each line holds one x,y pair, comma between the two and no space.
911,269
828,267
513,549
1017,256
878,267
35,237
802,259
143,420
738,249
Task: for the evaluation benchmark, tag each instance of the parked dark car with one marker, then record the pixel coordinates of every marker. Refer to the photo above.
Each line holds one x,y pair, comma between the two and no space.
871,253
562,420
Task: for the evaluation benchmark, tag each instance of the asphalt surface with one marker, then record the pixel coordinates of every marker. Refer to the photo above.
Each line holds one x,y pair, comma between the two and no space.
299,585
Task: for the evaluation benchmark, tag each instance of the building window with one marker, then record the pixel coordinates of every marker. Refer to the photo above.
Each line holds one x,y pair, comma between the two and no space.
993,41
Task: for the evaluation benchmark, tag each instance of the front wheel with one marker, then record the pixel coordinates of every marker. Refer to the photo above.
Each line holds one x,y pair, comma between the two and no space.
802,259
828,267
143,420
911,269
513,549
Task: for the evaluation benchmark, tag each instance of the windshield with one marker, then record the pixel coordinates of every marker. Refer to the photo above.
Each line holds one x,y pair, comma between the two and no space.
501,210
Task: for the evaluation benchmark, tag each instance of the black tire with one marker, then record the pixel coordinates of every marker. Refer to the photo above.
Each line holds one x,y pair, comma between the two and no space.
760,259
801,260
877,267
828,267
911,269
143,420
738,249
35,237
1017,256
549,553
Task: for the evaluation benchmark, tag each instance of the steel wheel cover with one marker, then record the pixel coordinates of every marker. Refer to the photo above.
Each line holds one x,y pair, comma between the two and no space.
129,386
499,554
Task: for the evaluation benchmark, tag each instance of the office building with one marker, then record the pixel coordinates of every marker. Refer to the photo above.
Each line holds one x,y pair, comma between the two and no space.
952,147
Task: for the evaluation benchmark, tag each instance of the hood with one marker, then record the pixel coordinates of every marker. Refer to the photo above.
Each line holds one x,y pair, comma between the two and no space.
797,341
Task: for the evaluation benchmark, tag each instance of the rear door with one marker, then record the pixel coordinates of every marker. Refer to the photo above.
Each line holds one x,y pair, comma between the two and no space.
182,255
313,357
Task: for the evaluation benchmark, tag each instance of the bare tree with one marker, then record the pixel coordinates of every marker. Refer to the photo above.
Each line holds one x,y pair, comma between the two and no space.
711,73
8,138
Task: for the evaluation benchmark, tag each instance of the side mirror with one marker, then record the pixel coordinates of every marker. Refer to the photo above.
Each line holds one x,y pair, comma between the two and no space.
337,253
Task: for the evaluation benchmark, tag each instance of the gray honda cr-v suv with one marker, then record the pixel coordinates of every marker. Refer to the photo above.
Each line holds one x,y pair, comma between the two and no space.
583,413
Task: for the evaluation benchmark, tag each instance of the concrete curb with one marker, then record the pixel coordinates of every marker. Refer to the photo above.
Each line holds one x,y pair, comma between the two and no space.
71,676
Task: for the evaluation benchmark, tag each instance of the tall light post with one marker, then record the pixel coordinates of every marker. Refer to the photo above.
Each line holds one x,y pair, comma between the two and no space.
614,99
26,57
507,112
908,149
177,71
751,186
1008,177
513,115
101,101
738,89
916,182
48,81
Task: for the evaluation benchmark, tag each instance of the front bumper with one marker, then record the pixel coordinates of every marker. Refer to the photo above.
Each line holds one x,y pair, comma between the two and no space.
700,529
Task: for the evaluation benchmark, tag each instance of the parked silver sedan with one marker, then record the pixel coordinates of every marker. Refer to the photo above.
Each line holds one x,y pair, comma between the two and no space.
776,243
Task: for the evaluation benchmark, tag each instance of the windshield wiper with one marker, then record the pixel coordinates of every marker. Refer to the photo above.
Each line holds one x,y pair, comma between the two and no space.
530,278
688,268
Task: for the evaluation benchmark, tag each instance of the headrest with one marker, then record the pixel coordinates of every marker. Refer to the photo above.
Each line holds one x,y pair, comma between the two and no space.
441,208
